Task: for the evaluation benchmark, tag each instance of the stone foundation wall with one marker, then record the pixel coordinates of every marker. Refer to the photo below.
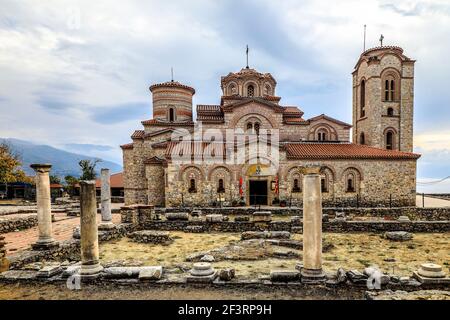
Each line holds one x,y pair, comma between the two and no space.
347,226
10,225
414,213
67,250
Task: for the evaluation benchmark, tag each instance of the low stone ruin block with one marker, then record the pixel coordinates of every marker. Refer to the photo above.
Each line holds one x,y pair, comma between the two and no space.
398,235
129,214
177,216
242,219
201,272
151,273
284,275
265,235
49,271
149,236
262,216
194,229
403,219
226,274
214,218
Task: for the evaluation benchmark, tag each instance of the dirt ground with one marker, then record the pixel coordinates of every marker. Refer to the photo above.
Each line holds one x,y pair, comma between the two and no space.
351,251
60,292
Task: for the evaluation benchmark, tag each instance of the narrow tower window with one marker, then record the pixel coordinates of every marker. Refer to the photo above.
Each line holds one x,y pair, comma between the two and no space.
389,140
350,183
390,112
362,138
363,99
192,188
296,187
322,135
323,185
171,115
257,128
220,188
389,89
391,93
250,91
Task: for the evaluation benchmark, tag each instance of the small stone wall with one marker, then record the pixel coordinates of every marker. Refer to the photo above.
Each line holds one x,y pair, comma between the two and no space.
148,236
10,225
414,213
67,250
340,226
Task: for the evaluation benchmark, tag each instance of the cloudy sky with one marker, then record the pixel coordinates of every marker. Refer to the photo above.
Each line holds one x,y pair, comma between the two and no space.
75,74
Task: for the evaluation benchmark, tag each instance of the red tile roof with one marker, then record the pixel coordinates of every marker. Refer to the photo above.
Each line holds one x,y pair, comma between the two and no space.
323,116
55,185
342,151
156,122
173,84
201,149
116,181
127,146
138,134
296,120
209,113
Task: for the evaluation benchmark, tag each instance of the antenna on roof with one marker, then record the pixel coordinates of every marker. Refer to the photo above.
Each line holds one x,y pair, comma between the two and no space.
247,56
171,71
364,47
381,40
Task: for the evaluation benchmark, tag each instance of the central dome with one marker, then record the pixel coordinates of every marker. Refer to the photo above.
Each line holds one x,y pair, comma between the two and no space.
248,83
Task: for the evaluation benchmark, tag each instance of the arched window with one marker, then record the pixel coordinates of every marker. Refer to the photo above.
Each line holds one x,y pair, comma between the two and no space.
220,187
267,90
171,115
363,99
192,187
390,112
232,90
295,187
362,138
389,88
322,135
250,91
249,127
257,128
323,185
389,140
350,183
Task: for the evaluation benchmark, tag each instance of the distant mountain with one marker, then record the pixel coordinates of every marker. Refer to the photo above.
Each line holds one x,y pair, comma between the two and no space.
63,163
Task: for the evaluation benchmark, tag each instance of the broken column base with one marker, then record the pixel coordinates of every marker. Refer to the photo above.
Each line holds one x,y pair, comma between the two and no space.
45,245
106,225
312,276
90,270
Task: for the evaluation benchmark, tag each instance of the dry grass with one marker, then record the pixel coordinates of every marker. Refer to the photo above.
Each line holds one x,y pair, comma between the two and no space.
352,251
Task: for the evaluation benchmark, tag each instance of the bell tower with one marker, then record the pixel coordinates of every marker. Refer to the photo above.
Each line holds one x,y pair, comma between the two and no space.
383,99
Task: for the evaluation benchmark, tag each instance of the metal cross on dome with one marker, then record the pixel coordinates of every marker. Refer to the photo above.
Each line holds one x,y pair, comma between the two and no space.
381,40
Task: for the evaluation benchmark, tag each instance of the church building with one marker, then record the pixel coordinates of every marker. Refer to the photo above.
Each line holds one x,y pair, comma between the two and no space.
373,167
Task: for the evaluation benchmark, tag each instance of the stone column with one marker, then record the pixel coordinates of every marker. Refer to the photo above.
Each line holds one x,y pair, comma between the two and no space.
88,228
312,225
106,223
44,210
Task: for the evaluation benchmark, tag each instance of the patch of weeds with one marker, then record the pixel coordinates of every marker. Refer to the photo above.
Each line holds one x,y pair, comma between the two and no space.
365,263
332,258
